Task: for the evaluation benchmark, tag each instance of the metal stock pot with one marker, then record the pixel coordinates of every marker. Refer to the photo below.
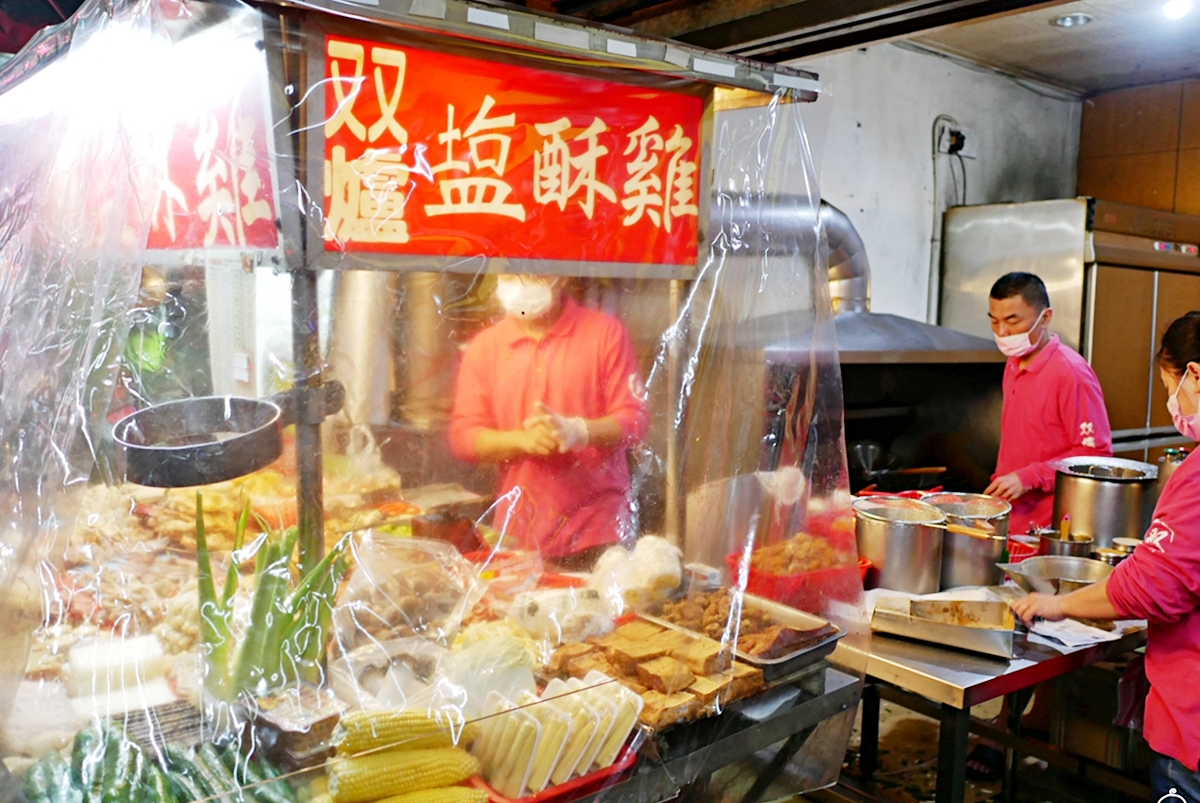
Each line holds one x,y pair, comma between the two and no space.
970,560
903,540
1106,496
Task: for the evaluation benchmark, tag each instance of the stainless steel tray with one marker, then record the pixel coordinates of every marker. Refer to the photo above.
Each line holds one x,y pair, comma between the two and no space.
989,641
775,668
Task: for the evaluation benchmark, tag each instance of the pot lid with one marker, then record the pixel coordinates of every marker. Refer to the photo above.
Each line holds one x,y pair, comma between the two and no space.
1111,469
891,508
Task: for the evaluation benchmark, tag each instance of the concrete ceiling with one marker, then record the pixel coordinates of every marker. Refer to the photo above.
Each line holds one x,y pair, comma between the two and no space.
1128,42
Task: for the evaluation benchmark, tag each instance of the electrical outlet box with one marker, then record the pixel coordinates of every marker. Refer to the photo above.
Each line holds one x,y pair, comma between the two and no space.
958,140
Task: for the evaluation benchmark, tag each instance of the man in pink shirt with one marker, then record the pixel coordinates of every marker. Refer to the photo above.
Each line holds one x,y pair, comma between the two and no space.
553,394
1053,404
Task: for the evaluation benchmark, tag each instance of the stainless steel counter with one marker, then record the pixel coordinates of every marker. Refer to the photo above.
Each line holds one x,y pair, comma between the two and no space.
962,679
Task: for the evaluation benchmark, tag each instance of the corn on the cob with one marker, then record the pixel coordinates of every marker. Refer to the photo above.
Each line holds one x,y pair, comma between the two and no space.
396,772
409,730
450,794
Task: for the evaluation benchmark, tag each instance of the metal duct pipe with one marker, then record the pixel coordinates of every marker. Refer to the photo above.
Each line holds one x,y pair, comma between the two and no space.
849,270
846,255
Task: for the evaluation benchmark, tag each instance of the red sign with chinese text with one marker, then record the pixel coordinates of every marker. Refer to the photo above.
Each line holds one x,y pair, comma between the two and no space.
218,189
430,153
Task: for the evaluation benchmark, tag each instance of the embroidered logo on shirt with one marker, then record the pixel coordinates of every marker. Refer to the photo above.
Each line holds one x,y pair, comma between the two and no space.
1087,429
1172,795
1159,531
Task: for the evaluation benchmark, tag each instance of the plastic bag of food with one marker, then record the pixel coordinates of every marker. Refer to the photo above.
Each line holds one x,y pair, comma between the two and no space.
404,587
395,674
652,572
555,616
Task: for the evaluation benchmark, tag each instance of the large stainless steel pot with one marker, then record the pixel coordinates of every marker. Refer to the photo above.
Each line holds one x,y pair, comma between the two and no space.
1106,496
969,560
903,540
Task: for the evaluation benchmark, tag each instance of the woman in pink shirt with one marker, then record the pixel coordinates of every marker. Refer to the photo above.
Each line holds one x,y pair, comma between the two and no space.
552,393
1160,582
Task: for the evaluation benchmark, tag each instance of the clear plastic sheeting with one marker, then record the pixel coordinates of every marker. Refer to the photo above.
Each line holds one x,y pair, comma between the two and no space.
542,494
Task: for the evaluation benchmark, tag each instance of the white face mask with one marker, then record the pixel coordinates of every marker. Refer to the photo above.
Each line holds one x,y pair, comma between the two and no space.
1188,425
1019,345
524,299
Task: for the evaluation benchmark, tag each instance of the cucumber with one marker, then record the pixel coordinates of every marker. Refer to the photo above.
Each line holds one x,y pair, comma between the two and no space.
248,774
119,781
178,758
208,762
86,750
59,775
37,783
184,788
272,773
155,786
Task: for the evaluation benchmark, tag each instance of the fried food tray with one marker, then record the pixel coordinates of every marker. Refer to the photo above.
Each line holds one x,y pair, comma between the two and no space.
789,664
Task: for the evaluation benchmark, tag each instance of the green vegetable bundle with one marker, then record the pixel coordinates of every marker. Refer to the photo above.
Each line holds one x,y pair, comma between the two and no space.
289,620
107,767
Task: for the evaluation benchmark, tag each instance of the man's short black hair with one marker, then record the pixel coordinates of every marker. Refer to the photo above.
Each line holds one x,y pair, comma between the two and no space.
1025,285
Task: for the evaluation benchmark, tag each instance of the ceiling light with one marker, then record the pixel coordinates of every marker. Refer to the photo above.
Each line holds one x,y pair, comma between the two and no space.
1075,20
1177,9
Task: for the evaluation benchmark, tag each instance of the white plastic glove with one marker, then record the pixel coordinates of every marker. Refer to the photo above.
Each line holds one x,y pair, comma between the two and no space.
572,433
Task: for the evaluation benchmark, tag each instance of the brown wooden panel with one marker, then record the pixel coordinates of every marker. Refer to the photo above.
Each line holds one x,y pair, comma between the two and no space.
1124,321
1187,183
1142,180
1143,119
1189,121
1177,293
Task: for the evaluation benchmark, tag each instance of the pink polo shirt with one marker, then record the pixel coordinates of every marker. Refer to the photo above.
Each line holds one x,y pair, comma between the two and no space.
584,366
1160,582
1053,408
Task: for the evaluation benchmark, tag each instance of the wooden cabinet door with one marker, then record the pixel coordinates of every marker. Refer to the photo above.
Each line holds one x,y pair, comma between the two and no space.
1122,342
1177,293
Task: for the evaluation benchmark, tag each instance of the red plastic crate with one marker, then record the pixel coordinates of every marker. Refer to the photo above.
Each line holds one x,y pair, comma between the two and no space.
806,591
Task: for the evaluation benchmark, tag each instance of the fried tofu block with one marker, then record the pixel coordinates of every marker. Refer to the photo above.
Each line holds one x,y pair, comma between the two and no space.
628,656
712,689
579,667
673,640
634,685
567,653
638,630
663,710
704,656
665,675
613,639
744,681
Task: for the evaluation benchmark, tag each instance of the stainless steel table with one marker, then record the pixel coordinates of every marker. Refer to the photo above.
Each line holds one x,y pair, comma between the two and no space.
909,672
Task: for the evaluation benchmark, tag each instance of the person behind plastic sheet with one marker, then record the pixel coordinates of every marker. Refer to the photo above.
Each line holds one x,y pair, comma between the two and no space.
1160,582
553,394
1053,404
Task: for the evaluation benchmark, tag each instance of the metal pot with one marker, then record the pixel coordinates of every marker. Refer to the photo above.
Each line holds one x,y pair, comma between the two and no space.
971,560
903,540
1051,542
1105,496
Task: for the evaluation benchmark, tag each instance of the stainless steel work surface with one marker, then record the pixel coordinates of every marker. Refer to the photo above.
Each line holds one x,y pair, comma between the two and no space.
962,679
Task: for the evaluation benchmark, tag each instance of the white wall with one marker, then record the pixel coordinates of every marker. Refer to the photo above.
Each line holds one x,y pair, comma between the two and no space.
876,163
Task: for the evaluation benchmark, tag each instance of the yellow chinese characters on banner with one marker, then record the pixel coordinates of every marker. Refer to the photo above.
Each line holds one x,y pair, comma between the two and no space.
431,153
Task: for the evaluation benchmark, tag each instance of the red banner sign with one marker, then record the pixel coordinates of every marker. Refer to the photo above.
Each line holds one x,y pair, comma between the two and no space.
218,190
430,153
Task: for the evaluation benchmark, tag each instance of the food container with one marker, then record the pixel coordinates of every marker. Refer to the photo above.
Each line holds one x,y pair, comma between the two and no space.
1126,545
903,540
969,560
807,591
1105,496
1110,556
1050,542
1052,574
793,662
994,638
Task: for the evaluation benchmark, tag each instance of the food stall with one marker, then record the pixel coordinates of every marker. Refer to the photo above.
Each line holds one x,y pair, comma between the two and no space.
245,252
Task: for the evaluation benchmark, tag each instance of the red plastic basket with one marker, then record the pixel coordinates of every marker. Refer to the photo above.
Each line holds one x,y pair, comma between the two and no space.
577,787
1019,550
806,591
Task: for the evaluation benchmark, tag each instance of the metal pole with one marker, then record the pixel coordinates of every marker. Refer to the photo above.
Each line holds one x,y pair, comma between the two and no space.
306,354
674,527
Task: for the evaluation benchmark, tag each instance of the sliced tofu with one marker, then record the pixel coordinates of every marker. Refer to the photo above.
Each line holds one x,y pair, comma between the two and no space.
665,675
638,630
568,652
744,681
627,657
704,656
663,710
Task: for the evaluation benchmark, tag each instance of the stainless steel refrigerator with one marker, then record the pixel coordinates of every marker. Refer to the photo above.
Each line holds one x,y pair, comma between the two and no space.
1117,276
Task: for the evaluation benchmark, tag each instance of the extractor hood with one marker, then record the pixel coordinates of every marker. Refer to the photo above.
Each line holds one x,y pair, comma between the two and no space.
870,337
